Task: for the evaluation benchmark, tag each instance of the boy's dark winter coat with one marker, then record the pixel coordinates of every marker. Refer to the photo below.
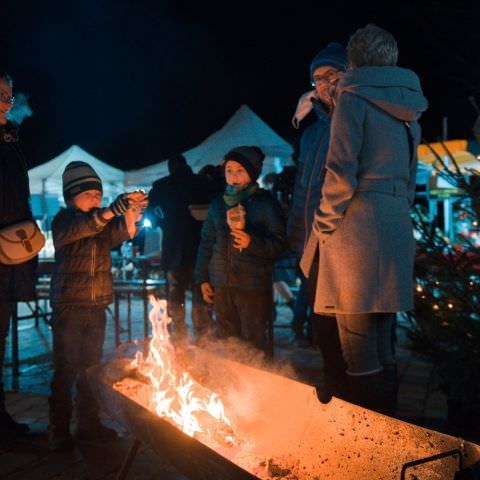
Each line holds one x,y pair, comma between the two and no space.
82,272
219,263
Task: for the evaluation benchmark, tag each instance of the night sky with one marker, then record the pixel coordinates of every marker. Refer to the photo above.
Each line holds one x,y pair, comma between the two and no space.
134,82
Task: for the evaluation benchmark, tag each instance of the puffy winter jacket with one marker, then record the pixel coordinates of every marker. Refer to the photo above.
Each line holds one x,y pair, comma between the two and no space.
223,265
308,181
82,272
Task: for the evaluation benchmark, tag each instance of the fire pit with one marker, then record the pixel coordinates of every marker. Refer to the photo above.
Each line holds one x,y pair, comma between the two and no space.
274,428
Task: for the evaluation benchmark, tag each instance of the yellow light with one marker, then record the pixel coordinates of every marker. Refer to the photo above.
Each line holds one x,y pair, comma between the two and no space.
436,307
419,288
450,305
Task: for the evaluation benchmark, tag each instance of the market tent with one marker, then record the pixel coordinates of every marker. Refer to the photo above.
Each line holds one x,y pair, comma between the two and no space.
439,147
243,128
46,179
463,159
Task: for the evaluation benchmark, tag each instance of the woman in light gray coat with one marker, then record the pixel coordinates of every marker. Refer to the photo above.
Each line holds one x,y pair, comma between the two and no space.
362,226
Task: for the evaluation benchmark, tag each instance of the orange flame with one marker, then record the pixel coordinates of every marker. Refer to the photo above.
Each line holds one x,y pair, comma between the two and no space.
175,394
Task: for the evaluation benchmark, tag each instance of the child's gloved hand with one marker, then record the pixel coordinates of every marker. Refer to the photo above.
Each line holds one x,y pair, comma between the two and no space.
120,205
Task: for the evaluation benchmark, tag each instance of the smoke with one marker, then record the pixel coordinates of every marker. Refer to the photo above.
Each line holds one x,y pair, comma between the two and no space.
20,110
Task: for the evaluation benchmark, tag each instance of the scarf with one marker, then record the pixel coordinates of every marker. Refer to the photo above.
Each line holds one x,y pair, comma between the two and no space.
231,198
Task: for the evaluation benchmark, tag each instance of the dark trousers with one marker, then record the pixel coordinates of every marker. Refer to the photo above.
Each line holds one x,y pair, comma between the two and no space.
6,309
325,334
78,336
244,313
179,280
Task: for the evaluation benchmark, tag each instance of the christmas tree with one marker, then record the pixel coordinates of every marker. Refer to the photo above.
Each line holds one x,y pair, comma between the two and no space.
445,326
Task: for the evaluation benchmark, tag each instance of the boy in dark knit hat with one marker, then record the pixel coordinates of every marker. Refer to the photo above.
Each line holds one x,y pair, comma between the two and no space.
81,288
243,234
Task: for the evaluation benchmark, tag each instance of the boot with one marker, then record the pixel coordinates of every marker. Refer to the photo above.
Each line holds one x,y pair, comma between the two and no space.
8,426
367,391
93,431
59,437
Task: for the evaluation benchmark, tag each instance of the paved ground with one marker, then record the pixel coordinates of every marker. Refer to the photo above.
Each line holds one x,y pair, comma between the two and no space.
27,401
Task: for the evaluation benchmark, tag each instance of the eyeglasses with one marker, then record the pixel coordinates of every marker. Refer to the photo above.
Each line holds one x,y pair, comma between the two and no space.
4,98
330,77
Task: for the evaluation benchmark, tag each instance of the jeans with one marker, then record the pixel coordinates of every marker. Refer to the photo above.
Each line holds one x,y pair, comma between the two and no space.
180,280
366,340
243,313
78,336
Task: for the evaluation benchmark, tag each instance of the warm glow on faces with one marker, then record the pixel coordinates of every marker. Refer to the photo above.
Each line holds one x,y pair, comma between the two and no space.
324,79
236,175
5,104
87,200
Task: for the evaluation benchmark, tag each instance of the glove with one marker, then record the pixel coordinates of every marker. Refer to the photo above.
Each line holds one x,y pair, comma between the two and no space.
120,205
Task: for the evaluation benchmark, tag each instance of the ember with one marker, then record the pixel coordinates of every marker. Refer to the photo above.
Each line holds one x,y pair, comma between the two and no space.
190,406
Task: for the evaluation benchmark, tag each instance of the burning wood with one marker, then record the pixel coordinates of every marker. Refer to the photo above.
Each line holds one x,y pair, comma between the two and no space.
275,427
175,394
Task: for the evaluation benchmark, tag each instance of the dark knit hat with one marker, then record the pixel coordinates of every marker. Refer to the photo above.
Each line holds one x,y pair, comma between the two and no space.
79,177
334,55
250,158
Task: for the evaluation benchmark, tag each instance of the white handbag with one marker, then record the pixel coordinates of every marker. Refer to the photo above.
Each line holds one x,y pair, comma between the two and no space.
20,242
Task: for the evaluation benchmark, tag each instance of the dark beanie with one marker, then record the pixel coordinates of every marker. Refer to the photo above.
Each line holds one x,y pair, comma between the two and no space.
334,55
250,158
79,177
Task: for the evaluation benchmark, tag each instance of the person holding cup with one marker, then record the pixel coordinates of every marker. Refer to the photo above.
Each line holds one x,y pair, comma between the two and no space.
243,234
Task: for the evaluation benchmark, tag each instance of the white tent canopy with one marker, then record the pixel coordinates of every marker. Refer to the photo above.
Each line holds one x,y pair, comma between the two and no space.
243,128
46,179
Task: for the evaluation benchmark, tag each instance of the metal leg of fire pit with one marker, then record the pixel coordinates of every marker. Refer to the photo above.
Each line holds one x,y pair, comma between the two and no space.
117,319
127,463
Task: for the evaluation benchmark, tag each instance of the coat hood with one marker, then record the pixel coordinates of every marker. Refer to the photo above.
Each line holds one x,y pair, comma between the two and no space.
395,90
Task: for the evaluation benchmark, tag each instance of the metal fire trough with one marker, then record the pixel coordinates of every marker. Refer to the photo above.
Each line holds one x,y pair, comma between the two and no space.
283,431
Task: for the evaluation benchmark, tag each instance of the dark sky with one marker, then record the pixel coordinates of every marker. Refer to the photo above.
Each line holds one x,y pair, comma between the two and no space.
134,82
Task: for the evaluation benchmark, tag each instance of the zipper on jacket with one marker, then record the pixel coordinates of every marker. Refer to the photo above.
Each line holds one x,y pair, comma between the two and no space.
92,271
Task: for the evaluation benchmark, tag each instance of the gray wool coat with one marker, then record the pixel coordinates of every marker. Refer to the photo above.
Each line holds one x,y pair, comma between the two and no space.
362,228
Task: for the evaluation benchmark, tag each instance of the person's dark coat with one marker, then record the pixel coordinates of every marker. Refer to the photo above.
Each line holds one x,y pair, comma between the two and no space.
17,282
308,180
219,263
82,271
363,225
169,200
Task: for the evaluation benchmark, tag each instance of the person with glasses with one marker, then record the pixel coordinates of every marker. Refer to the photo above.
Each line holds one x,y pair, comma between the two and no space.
17,282
362,225
325,70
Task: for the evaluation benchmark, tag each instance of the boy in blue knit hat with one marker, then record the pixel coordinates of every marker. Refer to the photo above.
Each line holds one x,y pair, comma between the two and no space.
81,288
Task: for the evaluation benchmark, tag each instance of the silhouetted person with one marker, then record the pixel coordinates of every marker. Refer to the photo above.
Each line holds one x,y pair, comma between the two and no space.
17,282
169,201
